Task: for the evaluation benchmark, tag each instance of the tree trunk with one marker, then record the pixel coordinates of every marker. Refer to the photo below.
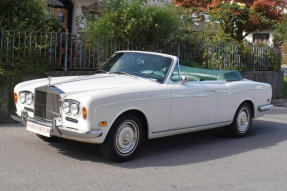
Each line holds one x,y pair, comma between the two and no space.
239,32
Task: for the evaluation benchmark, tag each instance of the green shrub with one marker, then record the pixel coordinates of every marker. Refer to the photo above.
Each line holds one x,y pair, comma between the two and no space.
135,21
19,66
28,54
16,57
26,15
280,33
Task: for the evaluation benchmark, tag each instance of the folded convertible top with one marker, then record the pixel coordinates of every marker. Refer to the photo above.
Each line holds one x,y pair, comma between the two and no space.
198,74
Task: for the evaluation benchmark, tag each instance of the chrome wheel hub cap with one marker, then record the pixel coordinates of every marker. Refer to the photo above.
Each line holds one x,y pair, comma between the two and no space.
243,119
127,137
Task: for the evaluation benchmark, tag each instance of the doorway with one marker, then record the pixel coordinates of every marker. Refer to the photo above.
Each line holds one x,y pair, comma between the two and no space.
62,11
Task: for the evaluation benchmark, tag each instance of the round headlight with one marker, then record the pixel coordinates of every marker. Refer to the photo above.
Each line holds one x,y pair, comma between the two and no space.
74,109
66,107
29,98
22,97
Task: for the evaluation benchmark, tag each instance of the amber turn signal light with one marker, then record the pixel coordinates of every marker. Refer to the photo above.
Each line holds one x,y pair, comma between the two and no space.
103,123
15,97
84,113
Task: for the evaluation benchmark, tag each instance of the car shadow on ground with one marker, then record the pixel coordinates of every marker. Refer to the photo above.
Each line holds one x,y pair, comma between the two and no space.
184,149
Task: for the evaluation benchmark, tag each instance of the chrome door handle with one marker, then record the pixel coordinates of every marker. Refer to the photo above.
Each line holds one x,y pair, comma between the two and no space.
213,91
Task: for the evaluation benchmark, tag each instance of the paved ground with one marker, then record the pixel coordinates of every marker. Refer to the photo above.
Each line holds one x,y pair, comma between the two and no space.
197,161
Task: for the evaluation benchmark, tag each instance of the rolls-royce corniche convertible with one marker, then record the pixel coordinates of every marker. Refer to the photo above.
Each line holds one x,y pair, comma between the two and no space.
139,95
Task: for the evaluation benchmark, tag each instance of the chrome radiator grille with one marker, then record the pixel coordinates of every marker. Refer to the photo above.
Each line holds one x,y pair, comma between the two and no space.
47,103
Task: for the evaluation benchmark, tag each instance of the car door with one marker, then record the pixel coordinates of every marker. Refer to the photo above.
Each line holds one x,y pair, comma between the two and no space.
193,104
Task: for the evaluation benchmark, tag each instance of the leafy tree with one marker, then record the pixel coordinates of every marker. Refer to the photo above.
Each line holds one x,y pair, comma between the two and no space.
280,38
25,15
135,21
280,33
239,18
202,5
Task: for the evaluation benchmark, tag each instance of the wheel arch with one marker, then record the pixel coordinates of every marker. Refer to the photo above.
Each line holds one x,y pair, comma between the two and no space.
142,118
251,104
241,124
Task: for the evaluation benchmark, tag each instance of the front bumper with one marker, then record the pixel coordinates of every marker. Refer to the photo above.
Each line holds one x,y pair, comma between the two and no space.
60,130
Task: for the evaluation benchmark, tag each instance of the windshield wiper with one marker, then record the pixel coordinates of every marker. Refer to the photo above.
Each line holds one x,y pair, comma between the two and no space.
124,73
102,71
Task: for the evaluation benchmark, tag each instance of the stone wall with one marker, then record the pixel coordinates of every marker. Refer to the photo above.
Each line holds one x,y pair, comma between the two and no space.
4,103
7,105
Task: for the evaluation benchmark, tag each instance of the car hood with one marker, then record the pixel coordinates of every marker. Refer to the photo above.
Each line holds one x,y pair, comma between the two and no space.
98,82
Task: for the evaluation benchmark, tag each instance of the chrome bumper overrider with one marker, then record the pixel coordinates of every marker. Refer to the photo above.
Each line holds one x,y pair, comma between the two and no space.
265,107
58,130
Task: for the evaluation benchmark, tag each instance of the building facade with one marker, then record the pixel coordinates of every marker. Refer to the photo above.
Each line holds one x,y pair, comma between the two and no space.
72,14
265,36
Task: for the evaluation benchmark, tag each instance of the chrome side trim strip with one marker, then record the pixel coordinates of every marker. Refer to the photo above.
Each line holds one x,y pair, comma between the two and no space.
192,127
265,107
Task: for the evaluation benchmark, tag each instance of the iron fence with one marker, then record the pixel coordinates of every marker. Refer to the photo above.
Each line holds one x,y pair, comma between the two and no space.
79,51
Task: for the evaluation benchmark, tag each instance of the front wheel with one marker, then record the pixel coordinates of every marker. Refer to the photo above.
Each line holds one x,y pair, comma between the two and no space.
241,123
124,138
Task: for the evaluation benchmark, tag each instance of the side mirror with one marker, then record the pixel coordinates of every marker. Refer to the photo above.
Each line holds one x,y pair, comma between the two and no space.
183,80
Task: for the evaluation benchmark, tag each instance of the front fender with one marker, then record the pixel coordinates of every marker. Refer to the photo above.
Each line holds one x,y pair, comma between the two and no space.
110,113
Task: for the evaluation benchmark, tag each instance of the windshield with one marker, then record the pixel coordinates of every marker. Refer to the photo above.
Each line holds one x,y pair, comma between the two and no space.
148,66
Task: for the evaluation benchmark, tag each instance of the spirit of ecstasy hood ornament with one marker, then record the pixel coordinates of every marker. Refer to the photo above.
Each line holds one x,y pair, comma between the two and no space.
49,78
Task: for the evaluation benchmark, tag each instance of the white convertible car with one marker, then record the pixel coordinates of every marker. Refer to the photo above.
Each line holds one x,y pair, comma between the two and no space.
139,95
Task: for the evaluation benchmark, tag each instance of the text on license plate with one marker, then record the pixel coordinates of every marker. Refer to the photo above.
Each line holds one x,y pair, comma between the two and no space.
39,129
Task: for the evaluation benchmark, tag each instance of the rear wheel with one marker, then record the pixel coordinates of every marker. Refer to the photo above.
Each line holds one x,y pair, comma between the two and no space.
241,123
124,138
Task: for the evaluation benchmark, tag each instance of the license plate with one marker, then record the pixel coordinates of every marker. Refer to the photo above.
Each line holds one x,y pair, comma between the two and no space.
39,129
